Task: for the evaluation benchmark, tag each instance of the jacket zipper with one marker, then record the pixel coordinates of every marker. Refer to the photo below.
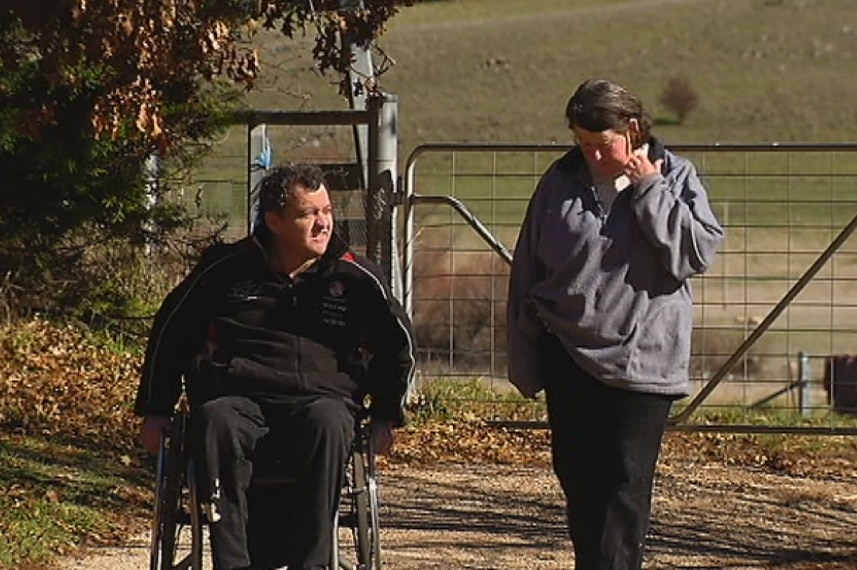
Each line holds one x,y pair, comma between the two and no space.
601,211
301,379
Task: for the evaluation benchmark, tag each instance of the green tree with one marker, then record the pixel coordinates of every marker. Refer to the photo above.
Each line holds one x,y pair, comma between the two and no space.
90,88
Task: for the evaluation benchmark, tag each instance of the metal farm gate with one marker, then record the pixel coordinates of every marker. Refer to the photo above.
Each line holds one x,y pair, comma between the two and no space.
775,337
356,148
361,181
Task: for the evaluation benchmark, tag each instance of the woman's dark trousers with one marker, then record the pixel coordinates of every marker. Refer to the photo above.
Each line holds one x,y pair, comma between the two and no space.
315,434
605,445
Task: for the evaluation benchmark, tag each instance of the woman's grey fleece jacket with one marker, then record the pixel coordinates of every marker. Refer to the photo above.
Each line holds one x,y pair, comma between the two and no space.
612,286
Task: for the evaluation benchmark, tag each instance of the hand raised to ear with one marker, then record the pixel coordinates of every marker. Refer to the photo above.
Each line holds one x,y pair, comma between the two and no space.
639,166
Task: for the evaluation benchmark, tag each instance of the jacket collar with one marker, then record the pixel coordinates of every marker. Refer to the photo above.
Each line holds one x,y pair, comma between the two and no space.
336,248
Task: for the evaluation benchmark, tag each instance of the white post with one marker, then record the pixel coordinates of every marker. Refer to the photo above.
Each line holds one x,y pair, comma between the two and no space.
261,156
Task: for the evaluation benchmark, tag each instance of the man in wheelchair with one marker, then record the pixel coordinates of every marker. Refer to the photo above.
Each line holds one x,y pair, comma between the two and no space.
287,331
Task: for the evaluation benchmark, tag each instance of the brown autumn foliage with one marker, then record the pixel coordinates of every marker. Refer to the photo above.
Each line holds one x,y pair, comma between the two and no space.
136,49
57,383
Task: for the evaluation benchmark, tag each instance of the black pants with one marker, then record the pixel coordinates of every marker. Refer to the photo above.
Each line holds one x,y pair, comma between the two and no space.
605,445
315,434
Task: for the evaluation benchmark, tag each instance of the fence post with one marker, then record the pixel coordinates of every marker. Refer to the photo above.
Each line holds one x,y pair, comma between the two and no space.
361,80
804,389
261,157
383,150
152,173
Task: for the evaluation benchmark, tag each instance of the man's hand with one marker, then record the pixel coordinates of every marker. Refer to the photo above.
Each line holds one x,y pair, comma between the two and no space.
381,436
150,432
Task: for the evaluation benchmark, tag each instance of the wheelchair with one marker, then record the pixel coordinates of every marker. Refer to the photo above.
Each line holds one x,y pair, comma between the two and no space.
179,519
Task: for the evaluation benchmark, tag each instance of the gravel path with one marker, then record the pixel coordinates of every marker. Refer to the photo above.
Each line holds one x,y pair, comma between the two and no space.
488,517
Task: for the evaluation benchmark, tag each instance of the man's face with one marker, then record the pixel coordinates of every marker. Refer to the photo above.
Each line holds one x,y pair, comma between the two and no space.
303,228
606,152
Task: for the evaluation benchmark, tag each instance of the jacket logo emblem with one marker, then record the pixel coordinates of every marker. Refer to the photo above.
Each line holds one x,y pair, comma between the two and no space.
244,291
334,305
336,289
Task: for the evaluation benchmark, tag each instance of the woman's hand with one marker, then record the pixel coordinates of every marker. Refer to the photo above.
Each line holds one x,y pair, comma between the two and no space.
639,166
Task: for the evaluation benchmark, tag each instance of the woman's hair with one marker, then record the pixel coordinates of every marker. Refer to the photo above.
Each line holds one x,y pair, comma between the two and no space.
598,105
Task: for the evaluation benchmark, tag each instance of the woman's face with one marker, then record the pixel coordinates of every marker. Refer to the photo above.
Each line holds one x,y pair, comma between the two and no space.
606,152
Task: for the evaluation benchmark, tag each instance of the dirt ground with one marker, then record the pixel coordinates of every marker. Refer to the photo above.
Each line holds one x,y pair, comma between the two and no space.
704,517
492,517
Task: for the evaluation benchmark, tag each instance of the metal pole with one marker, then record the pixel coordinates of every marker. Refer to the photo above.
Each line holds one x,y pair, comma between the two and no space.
385,167
383,149
373,197
259,151
152,174
409,235
804,389
361,74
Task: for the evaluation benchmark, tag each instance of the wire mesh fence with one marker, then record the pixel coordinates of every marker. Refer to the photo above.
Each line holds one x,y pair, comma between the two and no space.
775,317
217,188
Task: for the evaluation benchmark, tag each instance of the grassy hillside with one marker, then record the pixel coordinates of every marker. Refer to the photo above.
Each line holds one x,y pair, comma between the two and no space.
502,70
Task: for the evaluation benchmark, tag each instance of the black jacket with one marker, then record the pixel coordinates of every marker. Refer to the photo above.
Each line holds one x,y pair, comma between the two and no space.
233,326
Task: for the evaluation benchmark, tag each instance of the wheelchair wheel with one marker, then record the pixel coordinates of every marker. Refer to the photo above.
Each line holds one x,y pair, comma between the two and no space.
174,508
359,515
196,521
366,499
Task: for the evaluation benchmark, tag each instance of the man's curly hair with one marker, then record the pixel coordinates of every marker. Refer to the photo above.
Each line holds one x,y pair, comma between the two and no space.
275,188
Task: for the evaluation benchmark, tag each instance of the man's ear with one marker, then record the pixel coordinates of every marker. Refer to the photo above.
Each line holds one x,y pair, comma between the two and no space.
271,220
